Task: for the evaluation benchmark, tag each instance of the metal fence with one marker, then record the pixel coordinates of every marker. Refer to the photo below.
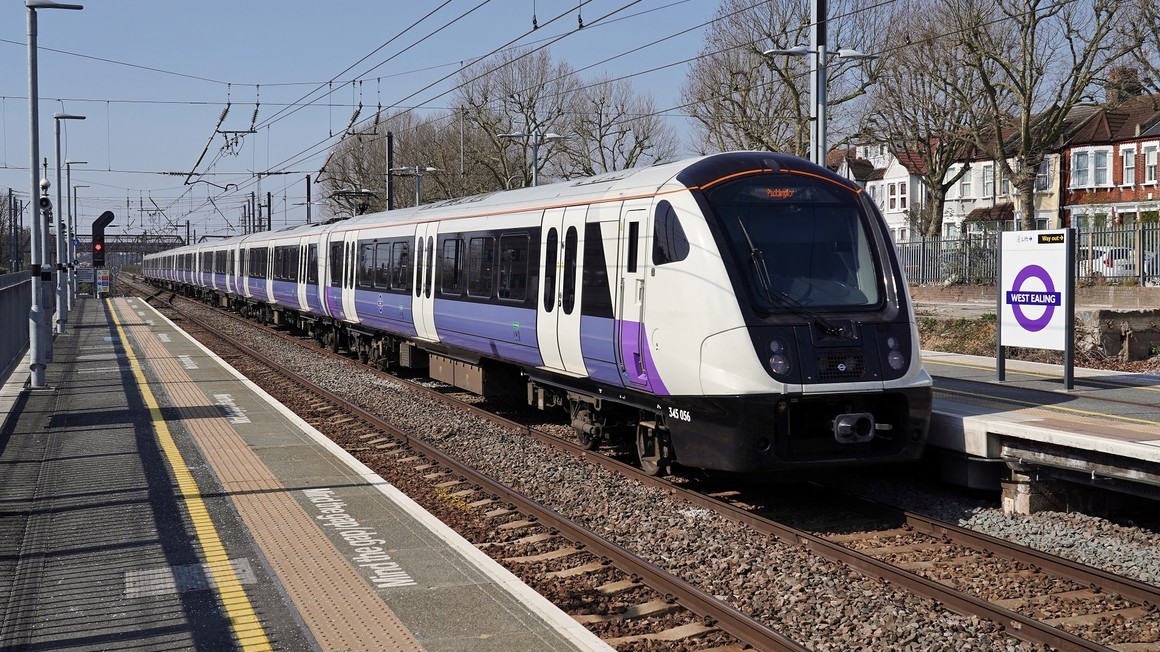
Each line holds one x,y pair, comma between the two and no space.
1126,255
15,303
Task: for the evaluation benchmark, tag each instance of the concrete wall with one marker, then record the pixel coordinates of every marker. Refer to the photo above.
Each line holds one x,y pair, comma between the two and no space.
1114,321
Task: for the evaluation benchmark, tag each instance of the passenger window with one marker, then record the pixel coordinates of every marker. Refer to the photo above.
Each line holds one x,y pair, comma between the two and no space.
451,267
513,269
383,266
419,257
312,264
571,243
633,235
480,267
430,267
669,242
551,250
401,266
366,264
335,264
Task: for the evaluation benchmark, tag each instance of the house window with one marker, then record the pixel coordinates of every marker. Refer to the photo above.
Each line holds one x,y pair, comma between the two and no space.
1128,157
893,201
1090,167
1079,169
1004,184
988,180
1101,168
1043,177
902,195
965,185
1150,151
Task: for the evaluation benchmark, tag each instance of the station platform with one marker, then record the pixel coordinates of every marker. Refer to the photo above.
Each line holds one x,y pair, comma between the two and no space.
152,498
1104,431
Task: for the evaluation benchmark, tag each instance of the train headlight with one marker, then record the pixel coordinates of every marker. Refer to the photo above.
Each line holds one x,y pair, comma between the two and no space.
894,357
896,360
779,360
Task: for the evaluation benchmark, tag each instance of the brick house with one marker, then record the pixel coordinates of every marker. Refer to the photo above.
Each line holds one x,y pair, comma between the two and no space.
1110,166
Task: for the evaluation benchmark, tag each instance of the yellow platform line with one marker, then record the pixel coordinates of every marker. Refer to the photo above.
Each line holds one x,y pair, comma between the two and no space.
244,621
1091,380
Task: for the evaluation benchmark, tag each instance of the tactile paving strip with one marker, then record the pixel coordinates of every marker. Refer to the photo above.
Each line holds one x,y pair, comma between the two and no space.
341,610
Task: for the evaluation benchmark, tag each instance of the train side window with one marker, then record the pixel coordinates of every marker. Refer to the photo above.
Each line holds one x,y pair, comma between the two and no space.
419,268
513,267
551,250
633,235
430,280
480,267
451,267
335,264
571,243
366,264
401,266
670,244
383,265
312,264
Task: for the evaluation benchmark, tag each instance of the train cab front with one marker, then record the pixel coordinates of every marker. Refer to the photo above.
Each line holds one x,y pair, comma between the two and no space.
828,331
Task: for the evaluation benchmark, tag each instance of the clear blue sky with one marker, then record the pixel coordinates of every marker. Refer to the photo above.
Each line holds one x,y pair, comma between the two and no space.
185,59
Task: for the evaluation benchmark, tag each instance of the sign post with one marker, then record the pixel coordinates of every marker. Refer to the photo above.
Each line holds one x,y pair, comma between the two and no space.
1036,296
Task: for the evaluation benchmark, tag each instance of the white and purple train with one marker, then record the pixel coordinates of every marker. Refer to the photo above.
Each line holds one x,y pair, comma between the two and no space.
739,312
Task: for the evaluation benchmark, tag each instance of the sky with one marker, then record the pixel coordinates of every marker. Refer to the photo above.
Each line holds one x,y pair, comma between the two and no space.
152,78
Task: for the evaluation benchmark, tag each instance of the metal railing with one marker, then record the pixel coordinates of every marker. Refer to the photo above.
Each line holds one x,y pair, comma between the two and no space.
15,302
1125,255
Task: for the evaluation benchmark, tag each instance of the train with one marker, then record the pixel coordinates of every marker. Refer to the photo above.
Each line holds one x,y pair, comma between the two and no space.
741,312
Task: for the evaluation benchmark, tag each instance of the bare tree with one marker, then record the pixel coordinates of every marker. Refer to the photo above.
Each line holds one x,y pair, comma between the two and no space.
1040,57
516,91
741,99
613,128
1143,38
927,104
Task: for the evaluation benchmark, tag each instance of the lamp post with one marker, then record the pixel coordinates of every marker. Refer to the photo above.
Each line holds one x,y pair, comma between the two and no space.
534,140
71,245
38,343
417,172
74,218
61,223
818,76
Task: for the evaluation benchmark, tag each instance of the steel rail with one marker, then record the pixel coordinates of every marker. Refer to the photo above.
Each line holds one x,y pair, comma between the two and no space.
1016,624
724,616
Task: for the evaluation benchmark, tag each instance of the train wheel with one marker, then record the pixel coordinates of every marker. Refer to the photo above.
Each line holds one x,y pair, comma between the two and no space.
652,449
589,441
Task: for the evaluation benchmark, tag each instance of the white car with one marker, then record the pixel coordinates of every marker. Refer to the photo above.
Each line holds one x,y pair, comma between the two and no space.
1109,262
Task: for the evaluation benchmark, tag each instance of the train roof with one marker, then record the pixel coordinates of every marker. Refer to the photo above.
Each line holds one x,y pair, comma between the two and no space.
643,181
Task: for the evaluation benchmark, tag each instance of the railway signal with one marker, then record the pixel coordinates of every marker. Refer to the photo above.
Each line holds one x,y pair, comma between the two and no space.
99,225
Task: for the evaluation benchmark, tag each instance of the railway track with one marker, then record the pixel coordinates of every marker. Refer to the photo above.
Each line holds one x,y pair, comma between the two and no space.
626,600
1030,595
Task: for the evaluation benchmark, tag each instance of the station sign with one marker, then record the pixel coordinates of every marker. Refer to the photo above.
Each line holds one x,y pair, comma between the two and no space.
1034,284
1036,294
84,274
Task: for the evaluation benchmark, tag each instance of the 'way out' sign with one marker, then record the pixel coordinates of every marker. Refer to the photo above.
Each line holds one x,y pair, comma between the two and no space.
1036,295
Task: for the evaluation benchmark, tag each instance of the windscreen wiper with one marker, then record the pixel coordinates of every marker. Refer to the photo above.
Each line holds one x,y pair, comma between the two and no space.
757,259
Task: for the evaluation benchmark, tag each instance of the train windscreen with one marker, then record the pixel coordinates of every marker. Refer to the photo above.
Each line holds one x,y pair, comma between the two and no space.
799,241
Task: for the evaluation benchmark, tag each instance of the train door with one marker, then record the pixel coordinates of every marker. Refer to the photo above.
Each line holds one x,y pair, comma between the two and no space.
558,306
630,326
331,285
350,267
423,306
303,286
231,281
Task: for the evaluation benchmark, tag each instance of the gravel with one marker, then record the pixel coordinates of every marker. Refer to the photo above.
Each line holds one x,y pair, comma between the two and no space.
824,605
